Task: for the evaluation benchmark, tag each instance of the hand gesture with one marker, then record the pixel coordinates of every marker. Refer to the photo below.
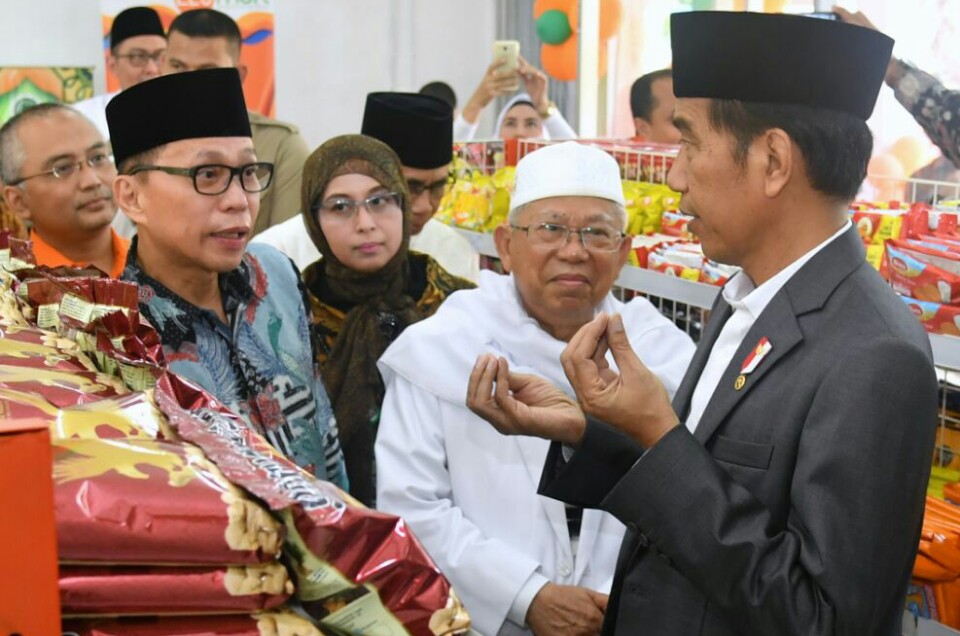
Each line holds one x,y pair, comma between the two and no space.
632,400
495,82
535,85
521,404
559,610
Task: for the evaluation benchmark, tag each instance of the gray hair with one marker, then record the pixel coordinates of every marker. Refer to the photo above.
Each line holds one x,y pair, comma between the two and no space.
616,208
12,154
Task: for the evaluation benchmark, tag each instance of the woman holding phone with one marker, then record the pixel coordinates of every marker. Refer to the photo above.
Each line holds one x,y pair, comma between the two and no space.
530,114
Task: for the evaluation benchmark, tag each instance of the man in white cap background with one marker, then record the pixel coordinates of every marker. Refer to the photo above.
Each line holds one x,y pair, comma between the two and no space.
783,491
521,562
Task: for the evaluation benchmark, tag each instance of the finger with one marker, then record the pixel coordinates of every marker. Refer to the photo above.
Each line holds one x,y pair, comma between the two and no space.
600,354
481,381
600,600
577,357
502,390
474,380
623,354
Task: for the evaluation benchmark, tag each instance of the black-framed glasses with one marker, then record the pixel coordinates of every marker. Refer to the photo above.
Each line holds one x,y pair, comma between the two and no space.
139,59
215,178
436,189
594,239
344,209
65,170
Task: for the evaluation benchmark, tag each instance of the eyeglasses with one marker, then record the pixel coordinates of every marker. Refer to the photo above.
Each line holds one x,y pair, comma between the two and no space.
139,59
215,178
343,209
65,170
436,189
594,239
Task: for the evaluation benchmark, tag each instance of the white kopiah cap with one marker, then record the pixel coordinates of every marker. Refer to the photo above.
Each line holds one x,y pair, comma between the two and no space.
569,169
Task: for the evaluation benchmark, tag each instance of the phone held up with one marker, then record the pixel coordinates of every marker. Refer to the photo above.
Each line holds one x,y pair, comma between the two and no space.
509,52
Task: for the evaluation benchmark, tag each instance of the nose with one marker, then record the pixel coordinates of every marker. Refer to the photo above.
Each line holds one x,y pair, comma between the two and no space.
152,66
235,197
87,177
573,248
364,220
677,175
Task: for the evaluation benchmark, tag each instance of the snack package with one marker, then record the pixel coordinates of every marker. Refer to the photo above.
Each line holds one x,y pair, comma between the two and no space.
503,182
155,591
935,317
266,624
153,502
468,201
681,260
674,223
357,570
910,270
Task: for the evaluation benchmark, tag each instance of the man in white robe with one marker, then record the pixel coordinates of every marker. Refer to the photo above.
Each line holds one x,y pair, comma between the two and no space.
521,562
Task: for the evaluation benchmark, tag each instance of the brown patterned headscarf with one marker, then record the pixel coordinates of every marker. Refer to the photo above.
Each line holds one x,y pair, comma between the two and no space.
377,298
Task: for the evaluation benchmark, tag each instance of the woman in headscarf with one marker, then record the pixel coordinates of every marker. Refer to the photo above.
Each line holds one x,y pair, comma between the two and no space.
536,116
367,287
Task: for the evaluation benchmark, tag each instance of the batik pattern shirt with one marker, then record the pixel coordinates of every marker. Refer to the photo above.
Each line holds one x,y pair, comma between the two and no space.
261,364
935,107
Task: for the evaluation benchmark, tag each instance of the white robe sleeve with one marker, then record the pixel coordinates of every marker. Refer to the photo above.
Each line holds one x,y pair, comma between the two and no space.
464,130
414,483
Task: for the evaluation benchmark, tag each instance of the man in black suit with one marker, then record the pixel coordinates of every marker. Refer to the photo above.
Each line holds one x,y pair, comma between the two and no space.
782,492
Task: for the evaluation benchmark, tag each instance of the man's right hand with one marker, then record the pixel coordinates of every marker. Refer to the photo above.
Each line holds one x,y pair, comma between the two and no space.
565,610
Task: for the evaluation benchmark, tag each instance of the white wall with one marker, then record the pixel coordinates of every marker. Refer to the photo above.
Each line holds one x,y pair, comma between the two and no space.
329,53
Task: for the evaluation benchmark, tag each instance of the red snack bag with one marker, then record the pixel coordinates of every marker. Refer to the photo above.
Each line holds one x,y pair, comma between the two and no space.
356,568
935,317
265,624
911,272
152,502
156,591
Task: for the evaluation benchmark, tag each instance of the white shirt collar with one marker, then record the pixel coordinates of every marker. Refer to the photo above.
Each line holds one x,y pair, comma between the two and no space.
741,294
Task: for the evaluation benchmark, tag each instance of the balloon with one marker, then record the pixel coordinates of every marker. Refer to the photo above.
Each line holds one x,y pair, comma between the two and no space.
911,152
560,60
553,27
886,175
611,14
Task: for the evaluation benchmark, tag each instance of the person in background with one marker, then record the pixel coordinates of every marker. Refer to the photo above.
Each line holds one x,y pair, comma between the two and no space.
742,498
367,288
935,107
521,562
440,90
205,38
58,174
418,128
137,46
651,104
531,112
232,320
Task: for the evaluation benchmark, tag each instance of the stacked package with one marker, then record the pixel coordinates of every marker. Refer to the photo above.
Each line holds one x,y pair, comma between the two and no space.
934,592
924,267
171,514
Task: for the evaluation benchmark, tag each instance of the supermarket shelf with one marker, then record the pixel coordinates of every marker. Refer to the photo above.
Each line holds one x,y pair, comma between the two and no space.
946,351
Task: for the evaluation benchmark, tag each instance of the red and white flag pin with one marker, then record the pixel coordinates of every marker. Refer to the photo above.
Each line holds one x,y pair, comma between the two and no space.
752,361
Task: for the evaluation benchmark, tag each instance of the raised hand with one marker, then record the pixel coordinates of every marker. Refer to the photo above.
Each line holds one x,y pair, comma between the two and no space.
632,400
566,610
521,404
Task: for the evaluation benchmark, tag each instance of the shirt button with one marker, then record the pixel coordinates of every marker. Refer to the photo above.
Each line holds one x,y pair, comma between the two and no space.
564,569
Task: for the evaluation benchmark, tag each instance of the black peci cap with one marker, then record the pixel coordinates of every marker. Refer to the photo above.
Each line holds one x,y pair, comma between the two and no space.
207,103
777,58
133,22
419,128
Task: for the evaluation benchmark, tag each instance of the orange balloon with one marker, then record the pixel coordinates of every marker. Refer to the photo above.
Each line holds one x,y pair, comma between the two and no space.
886,175
911,152
611,14
560,60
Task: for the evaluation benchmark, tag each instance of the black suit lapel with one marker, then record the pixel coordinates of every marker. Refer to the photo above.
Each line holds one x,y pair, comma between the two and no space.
718,316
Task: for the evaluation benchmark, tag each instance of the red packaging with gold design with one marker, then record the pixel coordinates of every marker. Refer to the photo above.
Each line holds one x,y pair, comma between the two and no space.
265,624
155,591
356,569
140,501
922,273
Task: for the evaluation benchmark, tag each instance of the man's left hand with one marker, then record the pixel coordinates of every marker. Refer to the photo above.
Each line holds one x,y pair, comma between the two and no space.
521,404
632,400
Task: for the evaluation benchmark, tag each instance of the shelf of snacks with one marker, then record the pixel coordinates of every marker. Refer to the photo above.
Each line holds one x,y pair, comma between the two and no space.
172,514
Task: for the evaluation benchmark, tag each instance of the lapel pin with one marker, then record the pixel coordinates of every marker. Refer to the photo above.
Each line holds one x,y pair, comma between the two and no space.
752,361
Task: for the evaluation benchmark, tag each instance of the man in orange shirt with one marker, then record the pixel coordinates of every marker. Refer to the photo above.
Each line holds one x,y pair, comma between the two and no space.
58,174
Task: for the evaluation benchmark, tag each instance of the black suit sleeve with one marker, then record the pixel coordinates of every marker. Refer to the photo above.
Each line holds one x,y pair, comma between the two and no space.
605,456
840,562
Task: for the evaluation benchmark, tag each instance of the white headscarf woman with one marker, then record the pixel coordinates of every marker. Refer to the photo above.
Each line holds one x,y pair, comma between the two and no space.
519,118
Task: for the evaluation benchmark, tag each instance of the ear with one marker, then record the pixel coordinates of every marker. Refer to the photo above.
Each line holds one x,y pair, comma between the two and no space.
15,199
112,63
642,127
126,194
502,237
778,154
624,252
242,69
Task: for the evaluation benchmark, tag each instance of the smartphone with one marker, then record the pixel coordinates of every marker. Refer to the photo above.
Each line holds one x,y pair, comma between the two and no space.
509,51
823,15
